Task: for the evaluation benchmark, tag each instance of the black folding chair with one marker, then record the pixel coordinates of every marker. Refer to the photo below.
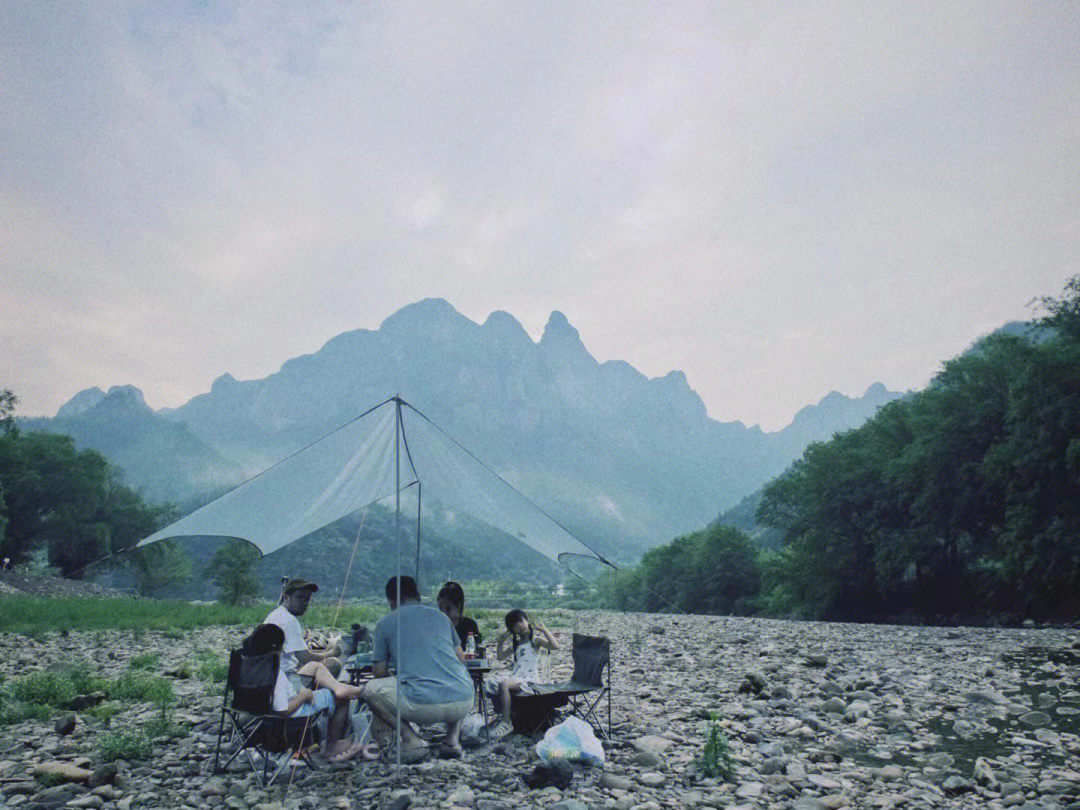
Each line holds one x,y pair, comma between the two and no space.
253,727
590,683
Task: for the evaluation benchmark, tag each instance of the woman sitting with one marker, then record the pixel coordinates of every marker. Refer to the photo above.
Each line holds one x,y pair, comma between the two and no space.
451,601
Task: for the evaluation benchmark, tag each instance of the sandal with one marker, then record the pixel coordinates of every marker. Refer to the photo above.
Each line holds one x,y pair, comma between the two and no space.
346,754
450,751
410,754
371,751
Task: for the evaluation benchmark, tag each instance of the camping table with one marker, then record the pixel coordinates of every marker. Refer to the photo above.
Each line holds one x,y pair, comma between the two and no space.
478,668
358,674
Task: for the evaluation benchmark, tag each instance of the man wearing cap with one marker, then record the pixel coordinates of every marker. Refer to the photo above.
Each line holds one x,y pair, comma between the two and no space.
297,660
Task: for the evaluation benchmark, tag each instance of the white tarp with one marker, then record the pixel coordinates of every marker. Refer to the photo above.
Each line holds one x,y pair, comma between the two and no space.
352,468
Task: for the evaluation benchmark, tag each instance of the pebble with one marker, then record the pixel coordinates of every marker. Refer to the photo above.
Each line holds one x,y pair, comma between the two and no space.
871,717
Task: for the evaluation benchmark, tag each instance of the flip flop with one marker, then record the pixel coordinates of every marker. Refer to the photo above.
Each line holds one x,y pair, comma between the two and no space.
371,751
346,754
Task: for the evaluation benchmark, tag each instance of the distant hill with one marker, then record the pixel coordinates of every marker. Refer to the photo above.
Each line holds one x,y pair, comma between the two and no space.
161,458
624,461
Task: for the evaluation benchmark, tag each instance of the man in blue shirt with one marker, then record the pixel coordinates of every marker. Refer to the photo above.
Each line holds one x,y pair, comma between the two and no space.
431,685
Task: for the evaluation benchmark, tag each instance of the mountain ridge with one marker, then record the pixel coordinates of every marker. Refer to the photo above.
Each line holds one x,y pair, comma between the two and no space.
624,460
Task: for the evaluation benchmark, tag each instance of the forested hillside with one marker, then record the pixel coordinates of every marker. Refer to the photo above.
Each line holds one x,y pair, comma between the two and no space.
960,501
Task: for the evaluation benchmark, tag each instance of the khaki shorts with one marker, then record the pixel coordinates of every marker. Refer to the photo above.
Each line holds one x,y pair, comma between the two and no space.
384,691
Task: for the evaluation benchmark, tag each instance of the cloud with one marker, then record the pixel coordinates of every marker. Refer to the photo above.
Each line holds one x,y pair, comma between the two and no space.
780,201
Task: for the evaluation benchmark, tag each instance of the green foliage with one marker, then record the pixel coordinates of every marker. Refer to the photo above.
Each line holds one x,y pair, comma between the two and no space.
104,712
55,689
139,685
212,667
963,499
712,571
232,569
185,670
715,759
160,565
48,780
69,502
145,661
127,746
8,401
12,712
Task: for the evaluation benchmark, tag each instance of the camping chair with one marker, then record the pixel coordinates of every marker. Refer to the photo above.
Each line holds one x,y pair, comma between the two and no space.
253,727
589,684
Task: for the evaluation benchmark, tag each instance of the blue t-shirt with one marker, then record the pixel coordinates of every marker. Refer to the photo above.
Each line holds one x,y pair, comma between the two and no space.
428,667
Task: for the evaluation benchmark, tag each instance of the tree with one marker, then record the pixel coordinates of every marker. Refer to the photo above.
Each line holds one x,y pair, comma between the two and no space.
8,401
68,501
232,569
160,565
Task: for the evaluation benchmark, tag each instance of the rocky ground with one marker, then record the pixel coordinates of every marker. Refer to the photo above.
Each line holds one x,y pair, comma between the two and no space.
14,582
817,716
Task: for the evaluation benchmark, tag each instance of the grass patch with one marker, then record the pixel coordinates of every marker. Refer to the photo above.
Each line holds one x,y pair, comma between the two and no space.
137,685
35,616
12,713
146,661
104,712
111,747
48,780
211,667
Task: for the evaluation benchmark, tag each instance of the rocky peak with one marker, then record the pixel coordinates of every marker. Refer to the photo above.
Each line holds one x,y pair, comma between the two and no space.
82,401
432,316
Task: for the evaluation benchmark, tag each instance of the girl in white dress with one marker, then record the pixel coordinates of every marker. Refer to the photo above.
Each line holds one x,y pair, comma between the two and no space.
521,641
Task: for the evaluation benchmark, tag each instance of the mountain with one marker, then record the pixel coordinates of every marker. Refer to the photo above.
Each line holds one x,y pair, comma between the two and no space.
161,458
624,461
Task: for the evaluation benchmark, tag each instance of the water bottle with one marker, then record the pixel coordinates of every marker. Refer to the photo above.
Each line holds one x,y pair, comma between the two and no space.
470,646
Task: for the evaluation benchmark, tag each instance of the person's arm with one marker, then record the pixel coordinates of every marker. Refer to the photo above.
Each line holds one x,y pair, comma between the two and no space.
502,653
548,640
380,652
305,695
460,653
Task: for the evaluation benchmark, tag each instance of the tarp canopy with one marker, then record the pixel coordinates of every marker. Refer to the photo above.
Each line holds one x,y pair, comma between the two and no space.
354,467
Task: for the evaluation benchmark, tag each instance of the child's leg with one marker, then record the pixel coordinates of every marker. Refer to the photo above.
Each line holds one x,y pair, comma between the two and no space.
507,687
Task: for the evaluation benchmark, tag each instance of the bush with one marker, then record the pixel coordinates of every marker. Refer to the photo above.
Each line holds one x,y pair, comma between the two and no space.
112,747
44,688
12,713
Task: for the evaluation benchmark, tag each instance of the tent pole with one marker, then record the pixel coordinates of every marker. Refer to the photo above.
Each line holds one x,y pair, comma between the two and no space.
419,492
397,545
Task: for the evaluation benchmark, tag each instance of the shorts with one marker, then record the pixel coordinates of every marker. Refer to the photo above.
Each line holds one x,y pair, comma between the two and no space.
384,691
324,699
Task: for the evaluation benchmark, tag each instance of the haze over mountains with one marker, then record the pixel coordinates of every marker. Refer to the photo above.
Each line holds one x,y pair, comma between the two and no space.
623,461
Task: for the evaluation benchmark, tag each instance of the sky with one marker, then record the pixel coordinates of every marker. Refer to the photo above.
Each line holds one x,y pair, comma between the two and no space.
779,199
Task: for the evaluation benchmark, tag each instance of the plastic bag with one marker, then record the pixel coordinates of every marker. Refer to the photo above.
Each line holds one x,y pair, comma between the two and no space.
360,724
472,725
573,740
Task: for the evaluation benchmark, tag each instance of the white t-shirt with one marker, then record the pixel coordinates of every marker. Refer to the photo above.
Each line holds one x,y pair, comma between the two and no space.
283,692
294,637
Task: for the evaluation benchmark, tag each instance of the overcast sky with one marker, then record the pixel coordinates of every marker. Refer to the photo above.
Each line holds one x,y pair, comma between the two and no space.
778,199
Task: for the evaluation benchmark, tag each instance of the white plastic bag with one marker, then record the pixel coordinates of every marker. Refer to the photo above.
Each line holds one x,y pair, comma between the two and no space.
360,723
573,740
472,726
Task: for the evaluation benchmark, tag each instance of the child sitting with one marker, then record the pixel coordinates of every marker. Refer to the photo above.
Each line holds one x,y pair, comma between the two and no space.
526,646
290,702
